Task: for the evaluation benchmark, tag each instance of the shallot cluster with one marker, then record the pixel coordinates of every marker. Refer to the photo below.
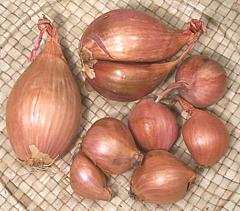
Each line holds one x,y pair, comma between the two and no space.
123,61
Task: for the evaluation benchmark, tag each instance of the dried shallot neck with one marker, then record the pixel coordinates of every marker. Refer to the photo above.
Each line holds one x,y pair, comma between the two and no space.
170,88
196,27
44,25
185,105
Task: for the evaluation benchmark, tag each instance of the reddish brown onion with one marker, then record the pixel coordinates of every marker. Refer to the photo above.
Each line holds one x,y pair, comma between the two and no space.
205,135
87,180
131,35
128,81
161,179
205,79
43,110
153,125
110,145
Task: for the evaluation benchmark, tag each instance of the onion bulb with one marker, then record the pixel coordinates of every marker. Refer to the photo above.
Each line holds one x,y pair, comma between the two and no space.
205,135
161,179
205,81
87,180
110,145
132,36
44,107
153,125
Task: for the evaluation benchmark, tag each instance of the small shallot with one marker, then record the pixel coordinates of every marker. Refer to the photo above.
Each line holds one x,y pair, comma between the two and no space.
205,135
205,81
110,145
153,125
87,180
161,179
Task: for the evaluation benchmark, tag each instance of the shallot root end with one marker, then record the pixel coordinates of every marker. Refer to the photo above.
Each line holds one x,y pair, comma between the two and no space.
39,159
86,55
88,71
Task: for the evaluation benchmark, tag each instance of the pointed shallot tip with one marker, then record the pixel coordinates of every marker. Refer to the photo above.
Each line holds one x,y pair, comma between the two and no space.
137,160
44,25
131,194
186,106
191,181
199,169
80,146
112,193
158,99
193,177
197,26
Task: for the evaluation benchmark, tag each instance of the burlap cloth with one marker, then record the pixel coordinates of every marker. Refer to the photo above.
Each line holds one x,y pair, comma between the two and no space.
24,188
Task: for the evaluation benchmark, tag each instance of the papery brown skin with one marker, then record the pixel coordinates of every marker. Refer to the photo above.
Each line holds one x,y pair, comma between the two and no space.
206,79
161,179
44,108
206,137
110,145
153,125
131,35
87,180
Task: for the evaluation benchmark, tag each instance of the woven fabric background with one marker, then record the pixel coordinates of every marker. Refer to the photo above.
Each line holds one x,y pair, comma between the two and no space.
25,188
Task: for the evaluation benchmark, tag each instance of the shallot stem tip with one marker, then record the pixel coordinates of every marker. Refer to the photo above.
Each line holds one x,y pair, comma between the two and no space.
44,25
185,105
169,88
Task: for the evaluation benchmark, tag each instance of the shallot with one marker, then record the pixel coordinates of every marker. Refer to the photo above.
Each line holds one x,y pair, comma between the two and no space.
153,125
161,179
110,145
87,180
205,135
205,81
44,107
133,36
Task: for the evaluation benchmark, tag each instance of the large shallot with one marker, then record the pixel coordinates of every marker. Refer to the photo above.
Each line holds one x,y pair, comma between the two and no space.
44,108
132,36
